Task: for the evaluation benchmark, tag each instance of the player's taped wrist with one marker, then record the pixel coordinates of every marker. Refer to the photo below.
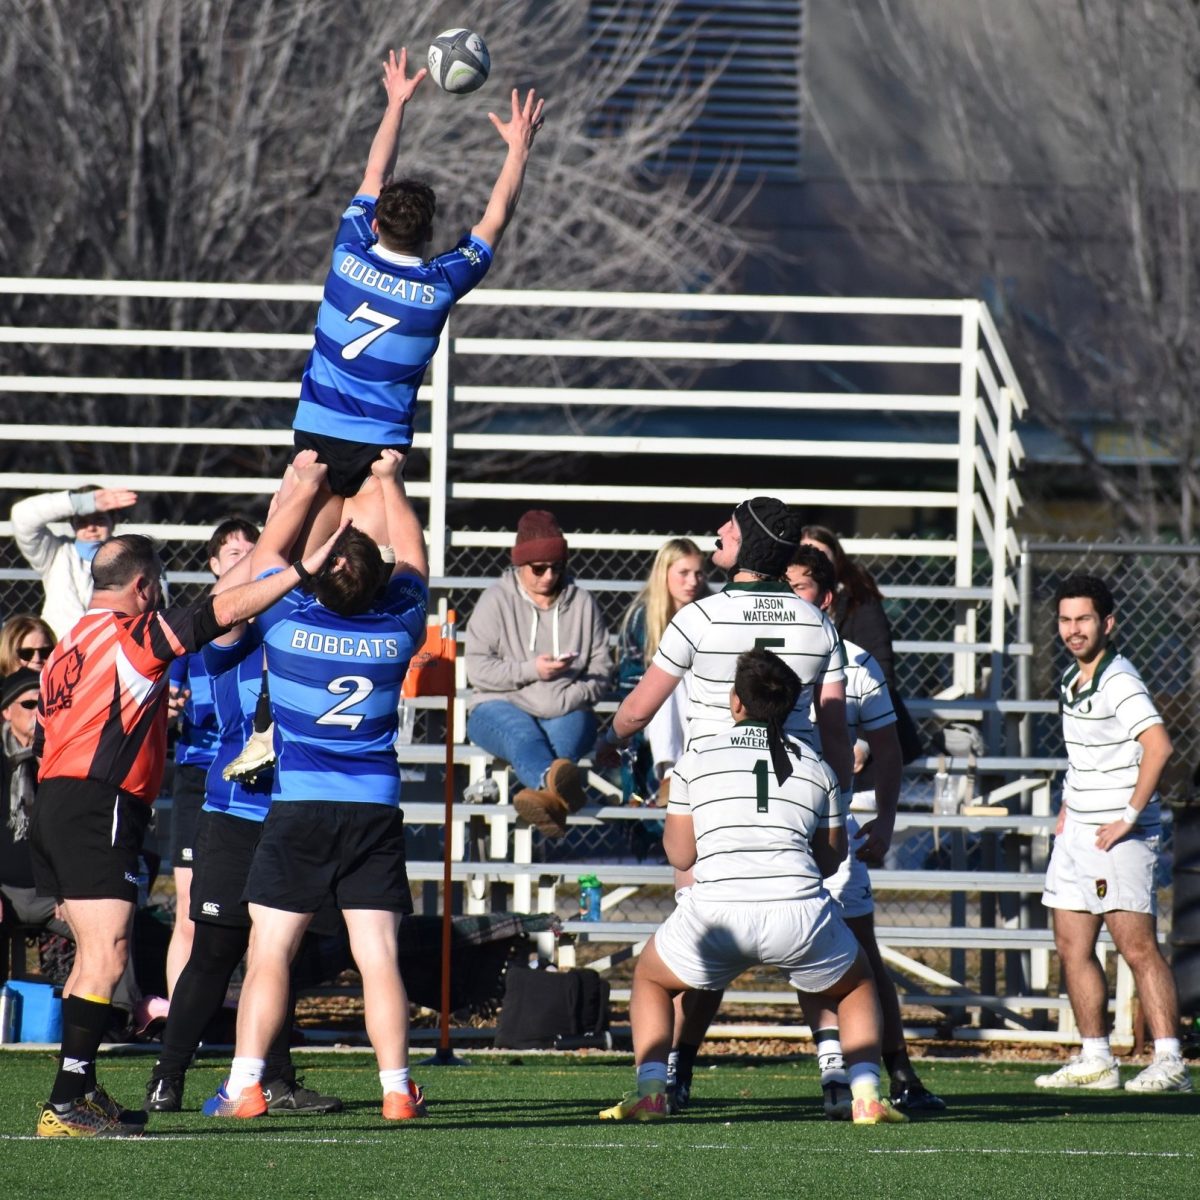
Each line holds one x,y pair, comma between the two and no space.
1130,815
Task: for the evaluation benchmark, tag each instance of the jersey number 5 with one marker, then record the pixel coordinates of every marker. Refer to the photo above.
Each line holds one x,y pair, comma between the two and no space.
359,687
381,321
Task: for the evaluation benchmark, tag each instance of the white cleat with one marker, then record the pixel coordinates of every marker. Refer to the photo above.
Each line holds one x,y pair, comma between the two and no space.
1166,1073
1093,1074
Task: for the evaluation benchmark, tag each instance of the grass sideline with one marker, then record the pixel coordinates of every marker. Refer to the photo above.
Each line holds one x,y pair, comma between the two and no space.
527,1126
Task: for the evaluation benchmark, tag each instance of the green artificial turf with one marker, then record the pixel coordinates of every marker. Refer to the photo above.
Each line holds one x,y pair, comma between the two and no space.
526,1126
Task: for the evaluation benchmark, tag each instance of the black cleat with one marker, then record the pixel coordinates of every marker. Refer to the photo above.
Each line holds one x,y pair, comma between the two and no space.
284,1097
164,1095
679,1096
916,1097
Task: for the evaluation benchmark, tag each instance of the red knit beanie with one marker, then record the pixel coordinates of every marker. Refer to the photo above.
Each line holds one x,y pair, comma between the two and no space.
539,539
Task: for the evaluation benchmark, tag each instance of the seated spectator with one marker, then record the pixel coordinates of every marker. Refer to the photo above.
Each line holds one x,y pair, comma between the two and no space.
19,901
25,641
676,578
538,659
65,563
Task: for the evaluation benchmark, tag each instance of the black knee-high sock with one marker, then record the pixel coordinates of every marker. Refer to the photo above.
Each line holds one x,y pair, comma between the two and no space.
262,710
199,993
84,1022
686,1062
278,1067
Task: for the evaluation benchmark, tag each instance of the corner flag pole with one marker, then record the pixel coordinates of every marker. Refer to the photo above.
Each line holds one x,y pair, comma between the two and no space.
445,1055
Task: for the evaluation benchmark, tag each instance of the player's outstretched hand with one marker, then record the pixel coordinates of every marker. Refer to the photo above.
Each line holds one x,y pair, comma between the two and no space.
398,85
520,130
389,464
876,838
110,499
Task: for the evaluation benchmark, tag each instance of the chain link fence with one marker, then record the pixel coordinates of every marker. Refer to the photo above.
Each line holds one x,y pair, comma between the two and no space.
1156,598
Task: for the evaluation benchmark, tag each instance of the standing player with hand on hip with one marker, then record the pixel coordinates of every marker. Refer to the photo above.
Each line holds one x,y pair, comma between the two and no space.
1106,844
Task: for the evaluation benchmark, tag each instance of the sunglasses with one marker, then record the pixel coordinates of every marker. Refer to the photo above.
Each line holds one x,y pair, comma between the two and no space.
27,703
26,653
542,568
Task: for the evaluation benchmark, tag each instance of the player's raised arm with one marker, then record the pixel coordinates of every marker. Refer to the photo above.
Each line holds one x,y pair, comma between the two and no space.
382,156
519,132
404,532
289,512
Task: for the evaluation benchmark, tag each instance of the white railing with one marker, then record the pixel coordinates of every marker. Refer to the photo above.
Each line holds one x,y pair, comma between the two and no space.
975,430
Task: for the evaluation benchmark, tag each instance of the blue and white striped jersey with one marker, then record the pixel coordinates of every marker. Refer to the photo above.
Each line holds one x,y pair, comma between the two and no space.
377,329
335,692
236,673
198,735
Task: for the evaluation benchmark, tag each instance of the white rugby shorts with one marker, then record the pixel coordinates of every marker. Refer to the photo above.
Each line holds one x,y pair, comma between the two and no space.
709,944
1083,878
850,884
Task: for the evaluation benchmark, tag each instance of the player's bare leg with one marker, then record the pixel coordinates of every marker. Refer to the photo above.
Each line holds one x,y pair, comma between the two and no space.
1075,935
695,1011
101,930
179,950
1136,941
859,1021
262,1009
1094,1068
822,1020
1134,935
651,1016
373,944
365,510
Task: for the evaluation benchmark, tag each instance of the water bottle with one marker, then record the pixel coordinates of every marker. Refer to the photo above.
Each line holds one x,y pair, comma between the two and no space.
945,795
10,1015
589,898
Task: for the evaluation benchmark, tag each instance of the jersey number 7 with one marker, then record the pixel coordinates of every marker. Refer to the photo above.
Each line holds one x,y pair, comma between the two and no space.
381,322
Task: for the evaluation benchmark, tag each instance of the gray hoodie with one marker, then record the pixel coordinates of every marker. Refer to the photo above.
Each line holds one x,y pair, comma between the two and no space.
507,632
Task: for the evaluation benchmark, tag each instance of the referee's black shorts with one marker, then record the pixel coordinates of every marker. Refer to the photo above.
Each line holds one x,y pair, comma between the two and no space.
224,851
85,838
313,849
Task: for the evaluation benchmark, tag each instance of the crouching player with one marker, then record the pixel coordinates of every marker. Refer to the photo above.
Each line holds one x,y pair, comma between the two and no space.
758,818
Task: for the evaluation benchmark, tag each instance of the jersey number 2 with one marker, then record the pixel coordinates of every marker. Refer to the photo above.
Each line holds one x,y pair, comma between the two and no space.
359,687
761,784
381,321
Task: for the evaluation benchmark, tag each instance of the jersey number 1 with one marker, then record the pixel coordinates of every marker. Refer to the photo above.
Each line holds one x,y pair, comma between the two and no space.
381,321
761,784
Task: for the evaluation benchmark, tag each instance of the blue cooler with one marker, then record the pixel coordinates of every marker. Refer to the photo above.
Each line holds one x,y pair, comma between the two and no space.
40,1016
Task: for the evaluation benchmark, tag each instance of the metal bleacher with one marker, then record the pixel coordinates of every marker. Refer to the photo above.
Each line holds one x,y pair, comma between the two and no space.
961,416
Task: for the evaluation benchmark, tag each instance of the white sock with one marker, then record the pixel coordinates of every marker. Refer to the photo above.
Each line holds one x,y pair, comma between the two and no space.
394,1081
1166,1046
652,1073
1096,1048
864,1081
243,1072
829,1057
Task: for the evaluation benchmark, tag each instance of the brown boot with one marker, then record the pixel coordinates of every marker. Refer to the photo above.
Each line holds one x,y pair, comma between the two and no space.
664,792
565,781
543,810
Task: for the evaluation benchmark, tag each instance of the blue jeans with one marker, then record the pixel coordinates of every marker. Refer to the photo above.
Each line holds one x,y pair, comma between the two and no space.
530,744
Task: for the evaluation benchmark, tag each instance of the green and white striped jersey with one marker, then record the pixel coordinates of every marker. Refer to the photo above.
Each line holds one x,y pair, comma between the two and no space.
704,639
754,834
1101,724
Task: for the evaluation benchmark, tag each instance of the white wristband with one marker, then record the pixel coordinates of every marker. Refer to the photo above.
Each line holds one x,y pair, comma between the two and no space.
1130,814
